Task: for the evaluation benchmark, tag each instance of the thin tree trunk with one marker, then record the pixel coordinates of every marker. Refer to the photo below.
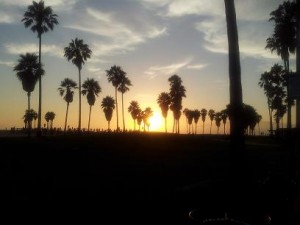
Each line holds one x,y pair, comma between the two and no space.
66,119
271,120
237,139
210,127
203,128
166,124
289,101
29,124
298,60
39,129
117,110
89,117
79,119
123,113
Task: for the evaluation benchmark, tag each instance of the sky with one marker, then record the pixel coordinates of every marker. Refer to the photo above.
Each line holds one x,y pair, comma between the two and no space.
150,40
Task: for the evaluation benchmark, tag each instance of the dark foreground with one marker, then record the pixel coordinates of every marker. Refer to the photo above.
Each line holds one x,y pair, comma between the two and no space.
142,179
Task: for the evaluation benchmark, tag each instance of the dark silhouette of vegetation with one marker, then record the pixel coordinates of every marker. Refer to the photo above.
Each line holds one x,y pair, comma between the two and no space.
237,151
203,117
123,88
177,92
28,117
91,89
134,109
146,114
273,84
164,101
49,117
218,119
283,40
108,106
28,71
196,116
66,90
40,18
211,114
224,115
116,75
78,52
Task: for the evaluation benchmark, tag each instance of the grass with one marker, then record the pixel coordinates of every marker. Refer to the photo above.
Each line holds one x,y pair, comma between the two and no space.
135,177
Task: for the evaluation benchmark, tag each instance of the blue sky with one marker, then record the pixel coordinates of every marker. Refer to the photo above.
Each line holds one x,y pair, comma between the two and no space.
151,40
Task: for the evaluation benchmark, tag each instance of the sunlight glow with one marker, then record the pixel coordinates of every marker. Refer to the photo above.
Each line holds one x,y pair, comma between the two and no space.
156,122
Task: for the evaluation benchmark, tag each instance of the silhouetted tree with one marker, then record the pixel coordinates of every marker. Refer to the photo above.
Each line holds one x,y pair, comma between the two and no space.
203,117
146,114
66,90
91,89
108,106
28,118
123,88
134,110
272,82
177,92
224,117
283,38
40,18
49,117
190,116
28,71
218,119
164,101
196,115
211,114
186,119
78,52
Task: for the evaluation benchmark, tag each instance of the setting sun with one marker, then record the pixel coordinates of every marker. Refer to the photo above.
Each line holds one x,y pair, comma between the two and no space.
156,122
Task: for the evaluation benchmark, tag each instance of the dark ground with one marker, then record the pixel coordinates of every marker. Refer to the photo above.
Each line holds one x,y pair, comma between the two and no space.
141,179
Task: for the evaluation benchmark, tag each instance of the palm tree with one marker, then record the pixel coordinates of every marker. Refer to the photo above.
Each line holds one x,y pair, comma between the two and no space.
108,106
49,117
164,101
78,52
123,87
115,75
283,39
211,114
224,116
134,110
28,118
91,89
196,115
218,119
34,116
258,119
66,89
52,117
190,116
28,72
177,92
146,114
40,18
236,95
203,117
185,111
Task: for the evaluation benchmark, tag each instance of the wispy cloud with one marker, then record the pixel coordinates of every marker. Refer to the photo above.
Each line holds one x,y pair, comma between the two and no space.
171,69
13,48
6,63
197,67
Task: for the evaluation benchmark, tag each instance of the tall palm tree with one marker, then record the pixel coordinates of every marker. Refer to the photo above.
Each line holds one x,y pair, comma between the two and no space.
78,52
66,89
177,92
115,75
203,117
196,115
28,118
91,89
164,101
218,119
52,117
134,109
124,87
236,95
146,114
40,18
28,72
283,39
211,114
49,117
224,116
190,116
108,106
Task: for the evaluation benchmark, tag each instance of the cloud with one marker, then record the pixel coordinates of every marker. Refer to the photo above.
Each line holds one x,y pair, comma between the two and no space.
197,67
52,50
117,37
171,69
7,63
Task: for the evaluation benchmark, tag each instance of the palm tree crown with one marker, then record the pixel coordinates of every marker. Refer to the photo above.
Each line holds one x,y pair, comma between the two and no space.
91,89
108,106
40,18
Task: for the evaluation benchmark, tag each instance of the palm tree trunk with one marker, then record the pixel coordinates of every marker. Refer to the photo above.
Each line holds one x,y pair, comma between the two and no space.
258,128
117,110
79,119
298,60
210,127
66,119
108,127
123,113
29,125
203,128
237,139
89,117
39,130
166,124
289,101
271,120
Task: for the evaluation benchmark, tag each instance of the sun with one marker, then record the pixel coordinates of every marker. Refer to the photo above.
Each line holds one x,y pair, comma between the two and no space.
156,122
